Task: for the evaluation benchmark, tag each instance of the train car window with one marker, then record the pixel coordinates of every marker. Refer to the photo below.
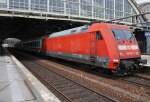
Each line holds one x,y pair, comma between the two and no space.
98,35
73,31
30,45
37,44
34,44
84,29
40,43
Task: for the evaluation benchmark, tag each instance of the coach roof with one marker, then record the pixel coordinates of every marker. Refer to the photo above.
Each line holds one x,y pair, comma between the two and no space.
69,31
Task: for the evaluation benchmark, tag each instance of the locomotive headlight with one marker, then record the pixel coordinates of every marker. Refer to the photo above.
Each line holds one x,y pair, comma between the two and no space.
115,63
121,54
115,60
137,53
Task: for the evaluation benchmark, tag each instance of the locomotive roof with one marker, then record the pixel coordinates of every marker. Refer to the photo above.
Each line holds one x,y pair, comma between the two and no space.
70,31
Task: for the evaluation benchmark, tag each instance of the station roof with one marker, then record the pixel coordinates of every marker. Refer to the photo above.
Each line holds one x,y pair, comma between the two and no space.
23,28
145,7
25,20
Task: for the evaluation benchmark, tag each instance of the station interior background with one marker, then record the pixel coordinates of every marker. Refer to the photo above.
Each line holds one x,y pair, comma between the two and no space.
24,28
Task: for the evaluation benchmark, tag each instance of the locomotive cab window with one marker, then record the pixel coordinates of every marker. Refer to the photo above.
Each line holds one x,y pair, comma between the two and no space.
98,35
122,34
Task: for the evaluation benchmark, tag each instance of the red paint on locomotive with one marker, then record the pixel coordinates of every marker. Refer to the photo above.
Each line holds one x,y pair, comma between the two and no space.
99,44
86,44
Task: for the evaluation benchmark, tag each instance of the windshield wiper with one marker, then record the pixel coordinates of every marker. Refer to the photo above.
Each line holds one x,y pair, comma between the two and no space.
132,36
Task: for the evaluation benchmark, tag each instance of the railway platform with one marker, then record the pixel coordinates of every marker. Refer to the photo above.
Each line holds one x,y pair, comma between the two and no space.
17,84
147,57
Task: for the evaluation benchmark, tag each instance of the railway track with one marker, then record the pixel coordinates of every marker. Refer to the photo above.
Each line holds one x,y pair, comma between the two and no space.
142,75
138,79
69,90
104,88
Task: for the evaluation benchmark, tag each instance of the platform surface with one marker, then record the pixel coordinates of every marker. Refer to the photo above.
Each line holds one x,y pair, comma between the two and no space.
12,86
147,57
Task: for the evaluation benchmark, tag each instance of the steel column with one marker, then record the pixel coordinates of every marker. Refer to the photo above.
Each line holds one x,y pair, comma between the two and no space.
7,4
29,5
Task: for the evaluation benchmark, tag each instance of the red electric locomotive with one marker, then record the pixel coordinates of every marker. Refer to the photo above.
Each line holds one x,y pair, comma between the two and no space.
110,46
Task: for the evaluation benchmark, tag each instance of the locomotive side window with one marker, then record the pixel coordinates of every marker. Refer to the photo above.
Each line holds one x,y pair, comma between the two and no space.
98,35
73,31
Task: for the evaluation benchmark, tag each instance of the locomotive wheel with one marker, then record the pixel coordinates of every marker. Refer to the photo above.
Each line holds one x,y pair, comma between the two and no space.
94,68
107,71
127,68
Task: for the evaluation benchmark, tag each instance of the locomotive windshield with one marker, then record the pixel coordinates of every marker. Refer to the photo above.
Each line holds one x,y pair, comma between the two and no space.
122,34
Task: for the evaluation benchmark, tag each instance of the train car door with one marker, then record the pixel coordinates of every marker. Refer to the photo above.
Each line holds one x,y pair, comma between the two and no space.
93,48
95,42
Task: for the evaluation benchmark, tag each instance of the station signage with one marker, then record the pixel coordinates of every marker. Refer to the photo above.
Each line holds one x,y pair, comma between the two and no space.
147,33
